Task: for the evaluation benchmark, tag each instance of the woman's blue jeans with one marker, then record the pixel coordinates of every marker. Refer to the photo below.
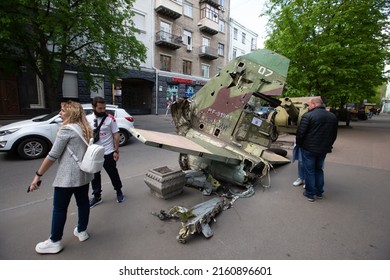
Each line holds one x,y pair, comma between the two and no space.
314,173
61,202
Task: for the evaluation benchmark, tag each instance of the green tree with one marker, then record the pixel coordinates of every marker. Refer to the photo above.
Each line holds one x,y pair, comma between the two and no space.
338,48
48,35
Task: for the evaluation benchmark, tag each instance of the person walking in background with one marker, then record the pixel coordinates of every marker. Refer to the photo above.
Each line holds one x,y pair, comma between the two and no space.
108,137
315,136
70,179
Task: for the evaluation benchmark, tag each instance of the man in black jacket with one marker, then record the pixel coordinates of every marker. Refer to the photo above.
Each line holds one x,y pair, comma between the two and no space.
316,134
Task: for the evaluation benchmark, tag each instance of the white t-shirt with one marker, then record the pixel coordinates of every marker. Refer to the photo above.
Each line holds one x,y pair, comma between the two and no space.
107,130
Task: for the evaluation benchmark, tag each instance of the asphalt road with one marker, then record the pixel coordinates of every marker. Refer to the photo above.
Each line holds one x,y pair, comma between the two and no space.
352,222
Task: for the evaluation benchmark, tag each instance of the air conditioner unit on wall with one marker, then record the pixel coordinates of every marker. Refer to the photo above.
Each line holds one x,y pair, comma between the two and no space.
189,48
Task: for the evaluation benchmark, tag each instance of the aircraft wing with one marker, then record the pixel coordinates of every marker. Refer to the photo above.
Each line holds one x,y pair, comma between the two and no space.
181,144
274,158
197,147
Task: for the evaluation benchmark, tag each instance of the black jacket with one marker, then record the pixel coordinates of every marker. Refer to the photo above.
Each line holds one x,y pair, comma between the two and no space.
317,131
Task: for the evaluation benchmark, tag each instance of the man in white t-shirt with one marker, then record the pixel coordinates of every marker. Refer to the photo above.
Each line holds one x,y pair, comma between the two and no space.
109,139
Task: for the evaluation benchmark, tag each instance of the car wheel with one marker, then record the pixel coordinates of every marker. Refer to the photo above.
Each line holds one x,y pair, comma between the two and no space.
33,148
123,137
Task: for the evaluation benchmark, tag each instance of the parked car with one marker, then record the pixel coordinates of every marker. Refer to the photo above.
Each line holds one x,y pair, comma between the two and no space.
124,120
263,111
33,138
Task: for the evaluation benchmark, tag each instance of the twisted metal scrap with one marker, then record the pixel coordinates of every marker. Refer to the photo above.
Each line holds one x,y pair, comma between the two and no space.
196,219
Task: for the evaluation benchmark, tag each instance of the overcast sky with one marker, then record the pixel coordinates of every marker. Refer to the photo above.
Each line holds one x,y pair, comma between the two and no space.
247,12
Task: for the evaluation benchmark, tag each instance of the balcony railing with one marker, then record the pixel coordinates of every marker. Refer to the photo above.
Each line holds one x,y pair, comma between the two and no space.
208,52
168,40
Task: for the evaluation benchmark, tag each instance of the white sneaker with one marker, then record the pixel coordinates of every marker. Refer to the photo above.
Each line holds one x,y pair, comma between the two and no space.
81,235
49,247
298,182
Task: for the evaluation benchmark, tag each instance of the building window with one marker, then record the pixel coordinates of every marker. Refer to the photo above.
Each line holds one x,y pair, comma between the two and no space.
187,9
221,26
139,21
205,48
187,65
253,44
190,91
235,33
243,38
208,11
70,85
205,42
165,31
173,92
234,53
98,88
205,71
165,62
187,38
221,3
221,49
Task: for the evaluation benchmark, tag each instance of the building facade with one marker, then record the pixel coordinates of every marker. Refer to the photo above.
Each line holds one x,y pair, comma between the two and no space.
188,42
241,40
190,45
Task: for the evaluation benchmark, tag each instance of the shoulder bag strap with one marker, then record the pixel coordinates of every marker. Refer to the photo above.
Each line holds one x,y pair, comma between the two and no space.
81,136
101,123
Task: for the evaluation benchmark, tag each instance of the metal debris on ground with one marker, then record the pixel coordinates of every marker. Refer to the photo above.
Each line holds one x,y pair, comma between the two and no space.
197,218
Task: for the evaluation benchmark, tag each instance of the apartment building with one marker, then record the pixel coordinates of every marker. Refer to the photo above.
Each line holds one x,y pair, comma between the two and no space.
188,42
241,40
189,45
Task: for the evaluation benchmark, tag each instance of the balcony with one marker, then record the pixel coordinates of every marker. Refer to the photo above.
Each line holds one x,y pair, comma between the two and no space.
208,53
168,40
208,26
169,8
213,3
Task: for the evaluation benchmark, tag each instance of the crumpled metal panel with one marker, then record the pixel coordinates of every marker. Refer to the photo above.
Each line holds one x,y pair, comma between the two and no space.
198,218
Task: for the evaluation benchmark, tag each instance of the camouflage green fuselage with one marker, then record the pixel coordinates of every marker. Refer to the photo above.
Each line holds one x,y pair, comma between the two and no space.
222,116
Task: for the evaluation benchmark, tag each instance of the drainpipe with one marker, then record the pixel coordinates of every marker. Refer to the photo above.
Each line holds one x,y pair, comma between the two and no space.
153,59
156,85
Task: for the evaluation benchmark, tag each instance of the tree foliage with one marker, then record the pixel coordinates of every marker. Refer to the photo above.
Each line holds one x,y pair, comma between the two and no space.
48,35
338,48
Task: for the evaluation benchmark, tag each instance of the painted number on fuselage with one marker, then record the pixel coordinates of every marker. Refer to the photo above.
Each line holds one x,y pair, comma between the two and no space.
265,71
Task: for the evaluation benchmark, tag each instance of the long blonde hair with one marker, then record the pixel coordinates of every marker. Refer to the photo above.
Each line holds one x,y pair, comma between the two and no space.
76,115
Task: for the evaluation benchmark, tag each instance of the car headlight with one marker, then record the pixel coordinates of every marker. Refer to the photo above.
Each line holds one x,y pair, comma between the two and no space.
8,131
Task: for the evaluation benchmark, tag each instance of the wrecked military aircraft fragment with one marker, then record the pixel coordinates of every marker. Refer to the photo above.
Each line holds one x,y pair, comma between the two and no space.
196,219
221,137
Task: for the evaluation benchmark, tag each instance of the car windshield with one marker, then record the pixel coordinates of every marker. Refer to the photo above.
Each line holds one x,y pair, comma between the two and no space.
262,109
45,117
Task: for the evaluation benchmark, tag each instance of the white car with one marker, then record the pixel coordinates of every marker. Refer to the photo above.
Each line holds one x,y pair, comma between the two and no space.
33,138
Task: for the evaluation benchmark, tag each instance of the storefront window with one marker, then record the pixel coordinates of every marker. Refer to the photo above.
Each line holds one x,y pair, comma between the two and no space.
190,90
173,92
